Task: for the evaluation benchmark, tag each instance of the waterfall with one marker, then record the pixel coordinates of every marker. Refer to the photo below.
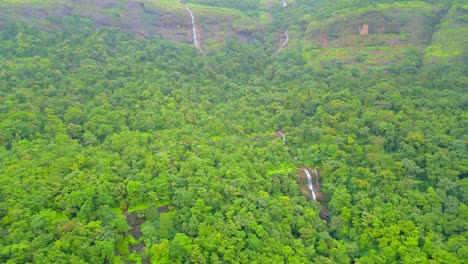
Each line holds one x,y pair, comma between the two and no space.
316,176
283,137
194,31
314,190
286,40
284,3
310,185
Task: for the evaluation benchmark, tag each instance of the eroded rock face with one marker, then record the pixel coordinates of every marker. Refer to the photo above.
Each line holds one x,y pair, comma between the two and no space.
364,29
385,25
313,184
141,18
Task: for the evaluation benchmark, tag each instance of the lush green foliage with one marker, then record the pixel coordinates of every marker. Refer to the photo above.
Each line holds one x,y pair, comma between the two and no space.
97,127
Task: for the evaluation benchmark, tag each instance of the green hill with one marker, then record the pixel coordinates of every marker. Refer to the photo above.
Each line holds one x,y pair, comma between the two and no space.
449,42
328,31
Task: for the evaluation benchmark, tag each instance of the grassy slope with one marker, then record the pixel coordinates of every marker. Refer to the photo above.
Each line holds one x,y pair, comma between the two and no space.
166,18
9,2
450,40
395,28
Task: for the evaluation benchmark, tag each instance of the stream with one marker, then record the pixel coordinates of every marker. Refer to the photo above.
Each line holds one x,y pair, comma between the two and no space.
286,39
316,177
194,30
310,185
314,187
283,137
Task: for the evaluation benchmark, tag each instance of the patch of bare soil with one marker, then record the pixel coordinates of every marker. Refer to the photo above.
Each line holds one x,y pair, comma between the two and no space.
138,247
273,136
301,175
163,209
325,214
321,196
134,222
324,41
305,191
246,36
277,134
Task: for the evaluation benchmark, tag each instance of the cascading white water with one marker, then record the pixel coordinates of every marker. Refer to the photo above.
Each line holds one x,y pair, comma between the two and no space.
194,30
286,39
316,176
283,137
284,3
310,185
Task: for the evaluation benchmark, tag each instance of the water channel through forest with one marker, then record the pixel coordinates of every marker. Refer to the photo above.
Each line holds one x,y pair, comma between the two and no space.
194,27
313,180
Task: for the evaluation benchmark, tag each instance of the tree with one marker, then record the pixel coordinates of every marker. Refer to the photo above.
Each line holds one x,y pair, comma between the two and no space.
180,247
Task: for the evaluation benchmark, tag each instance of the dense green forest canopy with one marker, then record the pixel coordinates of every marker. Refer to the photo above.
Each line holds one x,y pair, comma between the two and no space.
116,149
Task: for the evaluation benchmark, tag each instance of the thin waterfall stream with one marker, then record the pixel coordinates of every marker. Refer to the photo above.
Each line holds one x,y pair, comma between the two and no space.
194,30
313,186
310,185
316,176
286,40
283,137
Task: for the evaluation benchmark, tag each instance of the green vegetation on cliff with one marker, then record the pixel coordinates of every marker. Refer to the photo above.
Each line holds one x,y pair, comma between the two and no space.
450,40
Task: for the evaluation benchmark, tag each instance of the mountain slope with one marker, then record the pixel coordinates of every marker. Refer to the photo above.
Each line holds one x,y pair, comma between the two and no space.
449,42
121,146
374,34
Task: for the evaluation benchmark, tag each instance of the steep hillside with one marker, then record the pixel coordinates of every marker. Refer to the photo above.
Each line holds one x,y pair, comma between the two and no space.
372,35
168,18
256,131
449,41
379,33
